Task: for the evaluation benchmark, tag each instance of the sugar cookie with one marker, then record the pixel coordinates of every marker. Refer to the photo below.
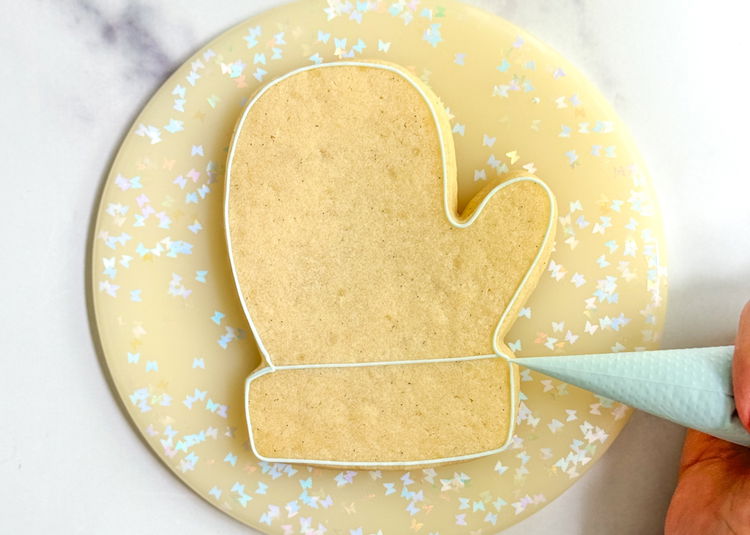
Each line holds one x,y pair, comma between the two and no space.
379,309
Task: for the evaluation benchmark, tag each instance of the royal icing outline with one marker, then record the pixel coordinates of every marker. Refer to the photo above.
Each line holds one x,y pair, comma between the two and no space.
271,368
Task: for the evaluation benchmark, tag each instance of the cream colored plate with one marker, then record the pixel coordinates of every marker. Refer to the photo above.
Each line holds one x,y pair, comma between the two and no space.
172,328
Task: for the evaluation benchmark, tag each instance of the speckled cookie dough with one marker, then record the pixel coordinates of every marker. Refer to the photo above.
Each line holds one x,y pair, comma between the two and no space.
344,175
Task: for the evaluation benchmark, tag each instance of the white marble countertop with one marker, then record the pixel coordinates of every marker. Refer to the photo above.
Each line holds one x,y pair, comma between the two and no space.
75,73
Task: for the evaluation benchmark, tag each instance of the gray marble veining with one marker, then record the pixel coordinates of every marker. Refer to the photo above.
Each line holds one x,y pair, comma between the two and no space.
130,32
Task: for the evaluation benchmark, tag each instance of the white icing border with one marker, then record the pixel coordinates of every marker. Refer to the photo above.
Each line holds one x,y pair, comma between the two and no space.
453,220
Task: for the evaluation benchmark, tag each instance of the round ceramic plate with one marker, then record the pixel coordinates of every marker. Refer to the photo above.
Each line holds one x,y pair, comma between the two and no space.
172,328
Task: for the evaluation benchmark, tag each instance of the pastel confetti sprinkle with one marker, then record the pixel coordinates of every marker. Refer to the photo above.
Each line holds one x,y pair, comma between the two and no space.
432,35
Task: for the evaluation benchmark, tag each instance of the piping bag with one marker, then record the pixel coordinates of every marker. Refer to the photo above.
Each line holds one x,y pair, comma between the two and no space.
691,387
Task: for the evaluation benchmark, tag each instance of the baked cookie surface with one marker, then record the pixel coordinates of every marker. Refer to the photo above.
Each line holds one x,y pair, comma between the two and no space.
369,295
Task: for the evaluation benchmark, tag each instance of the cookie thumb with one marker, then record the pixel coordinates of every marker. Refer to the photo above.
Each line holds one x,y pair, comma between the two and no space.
524,206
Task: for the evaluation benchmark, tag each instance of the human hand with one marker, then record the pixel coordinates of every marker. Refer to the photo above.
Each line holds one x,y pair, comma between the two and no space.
713,491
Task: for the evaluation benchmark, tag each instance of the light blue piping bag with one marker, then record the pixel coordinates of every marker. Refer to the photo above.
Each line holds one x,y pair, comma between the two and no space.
691,387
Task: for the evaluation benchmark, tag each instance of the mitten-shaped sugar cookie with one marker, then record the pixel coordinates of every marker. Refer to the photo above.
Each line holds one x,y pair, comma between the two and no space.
379,309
